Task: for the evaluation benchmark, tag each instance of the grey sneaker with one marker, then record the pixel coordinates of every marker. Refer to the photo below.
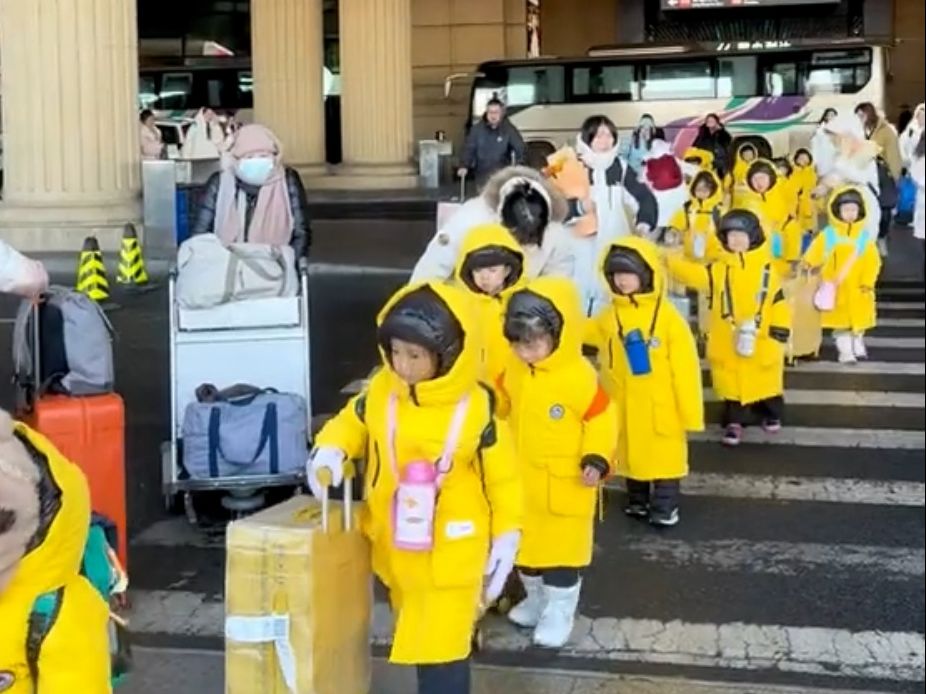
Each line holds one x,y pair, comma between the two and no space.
663,519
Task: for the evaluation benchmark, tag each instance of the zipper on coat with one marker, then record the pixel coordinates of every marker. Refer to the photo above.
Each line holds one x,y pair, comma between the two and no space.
610,355
414,395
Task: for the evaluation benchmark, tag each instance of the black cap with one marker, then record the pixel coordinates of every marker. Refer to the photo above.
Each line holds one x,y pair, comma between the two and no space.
490,256
530,315
627,260
423,318
850,195
741,220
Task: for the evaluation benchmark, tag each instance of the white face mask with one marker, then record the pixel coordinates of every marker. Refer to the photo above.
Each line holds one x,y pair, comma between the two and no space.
254,170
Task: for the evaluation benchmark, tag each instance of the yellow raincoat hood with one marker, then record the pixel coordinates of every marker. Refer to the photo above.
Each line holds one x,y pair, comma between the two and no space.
711,202
488,237
770,168
740,165
561,292
649,254
54,554
701,157
462,374
839,196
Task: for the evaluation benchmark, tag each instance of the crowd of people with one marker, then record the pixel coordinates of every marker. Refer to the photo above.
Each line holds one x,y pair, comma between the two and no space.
539,339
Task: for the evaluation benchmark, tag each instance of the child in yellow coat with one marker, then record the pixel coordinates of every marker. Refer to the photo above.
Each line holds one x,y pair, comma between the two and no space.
696,222
650,367
846,254
749,327
565,429
490,267
806,174
735,182
452,550
773,200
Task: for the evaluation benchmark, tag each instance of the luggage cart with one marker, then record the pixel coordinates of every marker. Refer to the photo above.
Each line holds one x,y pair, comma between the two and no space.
264,342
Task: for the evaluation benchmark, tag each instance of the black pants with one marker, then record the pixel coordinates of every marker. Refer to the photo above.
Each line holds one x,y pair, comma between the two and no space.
887,217
445,678
660,495
556,576
736,413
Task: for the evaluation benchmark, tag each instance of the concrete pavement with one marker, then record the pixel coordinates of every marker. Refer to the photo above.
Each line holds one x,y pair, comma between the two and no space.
201,672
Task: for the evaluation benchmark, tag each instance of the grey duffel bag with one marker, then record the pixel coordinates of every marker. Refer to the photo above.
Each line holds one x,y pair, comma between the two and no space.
245,432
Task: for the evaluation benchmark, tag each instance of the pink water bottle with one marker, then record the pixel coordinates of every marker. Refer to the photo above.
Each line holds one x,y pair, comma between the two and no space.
414,506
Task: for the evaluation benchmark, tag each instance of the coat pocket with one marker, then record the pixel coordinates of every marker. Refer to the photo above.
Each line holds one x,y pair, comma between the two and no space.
461,549
567,495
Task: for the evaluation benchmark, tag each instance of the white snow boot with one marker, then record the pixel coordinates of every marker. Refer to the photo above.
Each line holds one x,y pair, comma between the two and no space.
559,616
527,612
858,347
844,346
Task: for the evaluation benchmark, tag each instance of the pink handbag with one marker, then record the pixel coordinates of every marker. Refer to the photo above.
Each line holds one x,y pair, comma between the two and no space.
824,299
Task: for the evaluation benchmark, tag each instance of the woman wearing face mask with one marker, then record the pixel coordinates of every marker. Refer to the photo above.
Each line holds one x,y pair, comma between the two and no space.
255,198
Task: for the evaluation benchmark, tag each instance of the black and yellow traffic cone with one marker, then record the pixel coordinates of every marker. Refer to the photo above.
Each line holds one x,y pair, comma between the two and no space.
91,272
131,263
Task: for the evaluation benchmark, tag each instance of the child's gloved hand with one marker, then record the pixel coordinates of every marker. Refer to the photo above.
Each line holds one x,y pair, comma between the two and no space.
500,564
328,458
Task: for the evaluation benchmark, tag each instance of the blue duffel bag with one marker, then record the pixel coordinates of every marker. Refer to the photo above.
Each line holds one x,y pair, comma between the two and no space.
245,432
906,201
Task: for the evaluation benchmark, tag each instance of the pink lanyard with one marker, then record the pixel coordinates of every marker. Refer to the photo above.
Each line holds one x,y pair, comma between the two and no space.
453,436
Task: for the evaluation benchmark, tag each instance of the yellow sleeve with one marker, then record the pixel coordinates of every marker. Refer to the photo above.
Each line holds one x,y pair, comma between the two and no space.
814,255
679,220
599,426
688,273
500,476
347,430
870,266
686,374
74,657
594,331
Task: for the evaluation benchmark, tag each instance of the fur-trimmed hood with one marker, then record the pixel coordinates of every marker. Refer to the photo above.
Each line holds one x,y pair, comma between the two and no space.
502,180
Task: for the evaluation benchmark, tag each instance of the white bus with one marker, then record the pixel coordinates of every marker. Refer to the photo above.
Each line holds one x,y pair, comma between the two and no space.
772,92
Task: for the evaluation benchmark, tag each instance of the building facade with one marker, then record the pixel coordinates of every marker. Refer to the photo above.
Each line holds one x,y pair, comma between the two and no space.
69,78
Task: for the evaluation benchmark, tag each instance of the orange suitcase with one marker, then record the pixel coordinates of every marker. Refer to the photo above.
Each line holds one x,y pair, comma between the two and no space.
90,431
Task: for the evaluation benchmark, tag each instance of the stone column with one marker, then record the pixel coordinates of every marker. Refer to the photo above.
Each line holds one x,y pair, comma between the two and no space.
68,82
376,93
287,55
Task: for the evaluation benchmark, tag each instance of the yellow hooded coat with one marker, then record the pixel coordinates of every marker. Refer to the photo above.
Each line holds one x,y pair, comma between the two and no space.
657,409
807,183
776,211
831,249
734,285
74,655
559,414
490,310
435,594
735,182
698,218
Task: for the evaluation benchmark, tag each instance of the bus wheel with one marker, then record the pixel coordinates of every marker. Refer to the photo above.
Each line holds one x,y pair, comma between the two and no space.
537,153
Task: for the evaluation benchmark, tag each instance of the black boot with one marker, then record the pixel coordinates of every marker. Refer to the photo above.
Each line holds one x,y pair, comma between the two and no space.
637,498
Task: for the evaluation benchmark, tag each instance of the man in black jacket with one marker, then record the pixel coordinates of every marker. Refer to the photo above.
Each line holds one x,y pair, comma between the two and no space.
492,144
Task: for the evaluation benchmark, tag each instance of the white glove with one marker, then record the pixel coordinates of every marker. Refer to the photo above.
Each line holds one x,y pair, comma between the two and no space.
643,230
325,457
500,564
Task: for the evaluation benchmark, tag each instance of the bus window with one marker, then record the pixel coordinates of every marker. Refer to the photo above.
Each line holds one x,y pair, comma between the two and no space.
245,89
781,79
736,76
175,91
147,92
603,83
534,85
690,80
837,80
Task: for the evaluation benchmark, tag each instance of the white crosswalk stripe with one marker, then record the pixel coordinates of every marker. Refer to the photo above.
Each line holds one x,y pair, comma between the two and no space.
853,470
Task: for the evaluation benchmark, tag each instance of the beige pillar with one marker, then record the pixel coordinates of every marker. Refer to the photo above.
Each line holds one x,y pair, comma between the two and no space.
376,93
70,121
287,55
